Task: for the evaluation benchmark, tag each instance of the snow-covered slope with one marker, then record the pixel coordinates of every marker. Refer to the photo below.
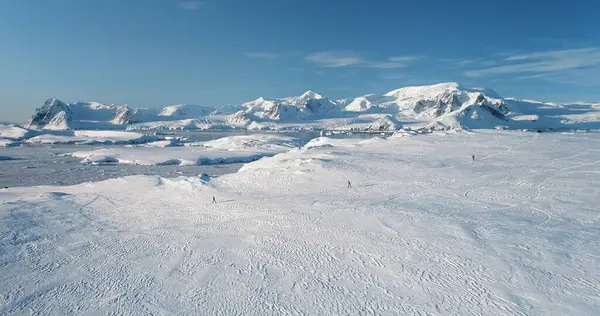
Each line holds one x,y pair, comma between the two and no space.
424,230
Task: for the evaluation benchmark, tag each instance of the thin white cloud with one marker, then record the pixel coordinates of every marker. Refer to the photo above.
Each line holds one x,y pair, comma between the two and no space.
579,77
386,65
457,62
337,59
464,62
264,55
543,62
404,59
190,5
557,54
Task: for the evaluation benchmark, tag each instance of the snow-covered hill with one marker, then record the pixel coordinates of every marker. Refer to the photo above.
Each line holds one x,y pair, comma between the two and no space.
438,106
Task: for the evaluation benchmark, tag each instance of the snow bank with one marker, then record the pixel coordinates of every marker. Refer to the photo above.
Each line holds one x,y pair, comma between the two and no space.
92,137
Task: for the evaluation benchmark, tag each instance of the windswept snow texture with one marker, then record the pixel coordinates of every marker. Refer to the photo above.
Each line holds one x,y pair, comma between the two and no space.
233,149
92,137
424,230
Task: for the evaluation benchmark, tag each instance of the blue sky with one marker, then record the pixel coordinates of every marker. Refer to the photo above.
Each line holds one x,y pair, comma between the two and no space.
157,52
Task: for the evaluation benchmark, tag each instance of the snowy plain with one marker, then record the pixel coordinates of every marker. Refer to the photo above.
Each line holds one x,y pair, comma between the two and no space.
423,231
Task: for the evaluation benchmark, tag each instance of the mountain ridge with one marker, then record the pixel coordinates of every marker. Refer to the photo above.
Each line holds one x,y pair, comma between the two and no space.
447,105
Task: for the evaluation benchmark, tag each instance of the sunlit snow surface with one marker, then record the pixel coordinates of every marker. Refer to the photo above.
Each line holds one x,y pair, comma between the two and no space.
423,230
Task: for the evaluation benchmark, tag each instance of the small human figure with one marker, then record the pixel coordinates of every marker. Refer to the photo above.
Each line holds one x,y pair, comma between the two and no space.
473,157
214,201
349,184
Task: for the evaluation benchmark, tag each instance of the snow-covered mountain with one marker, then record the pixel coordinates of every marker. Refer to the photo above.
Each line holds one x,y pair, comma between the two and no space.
443,105
308,106
421,102
186,111
51,108
58,115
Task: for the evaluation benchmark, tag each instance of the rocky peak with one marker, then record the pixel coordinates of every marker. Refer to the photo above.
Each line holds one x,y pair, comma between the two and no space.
43,115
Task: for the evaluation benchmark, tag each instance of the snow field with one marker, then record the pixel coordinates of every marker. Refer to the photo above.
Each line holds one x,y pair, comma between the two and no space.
424,230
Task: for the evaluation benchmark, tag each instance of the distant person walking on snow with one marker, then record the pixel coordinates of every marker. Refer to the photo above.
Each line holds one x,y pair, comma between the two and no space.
214,201
349,184
473,157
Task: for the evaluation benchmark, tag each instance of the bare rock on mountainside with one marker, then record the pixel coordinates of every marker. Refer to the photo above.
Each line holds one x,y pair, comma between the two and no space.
240,118
43,115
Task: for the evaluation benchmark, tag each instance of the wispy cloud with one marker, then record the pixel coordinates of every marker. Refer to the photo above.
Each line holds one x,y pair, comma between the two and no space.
460,63
264,55
337,59
404,59
190,4
542,62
